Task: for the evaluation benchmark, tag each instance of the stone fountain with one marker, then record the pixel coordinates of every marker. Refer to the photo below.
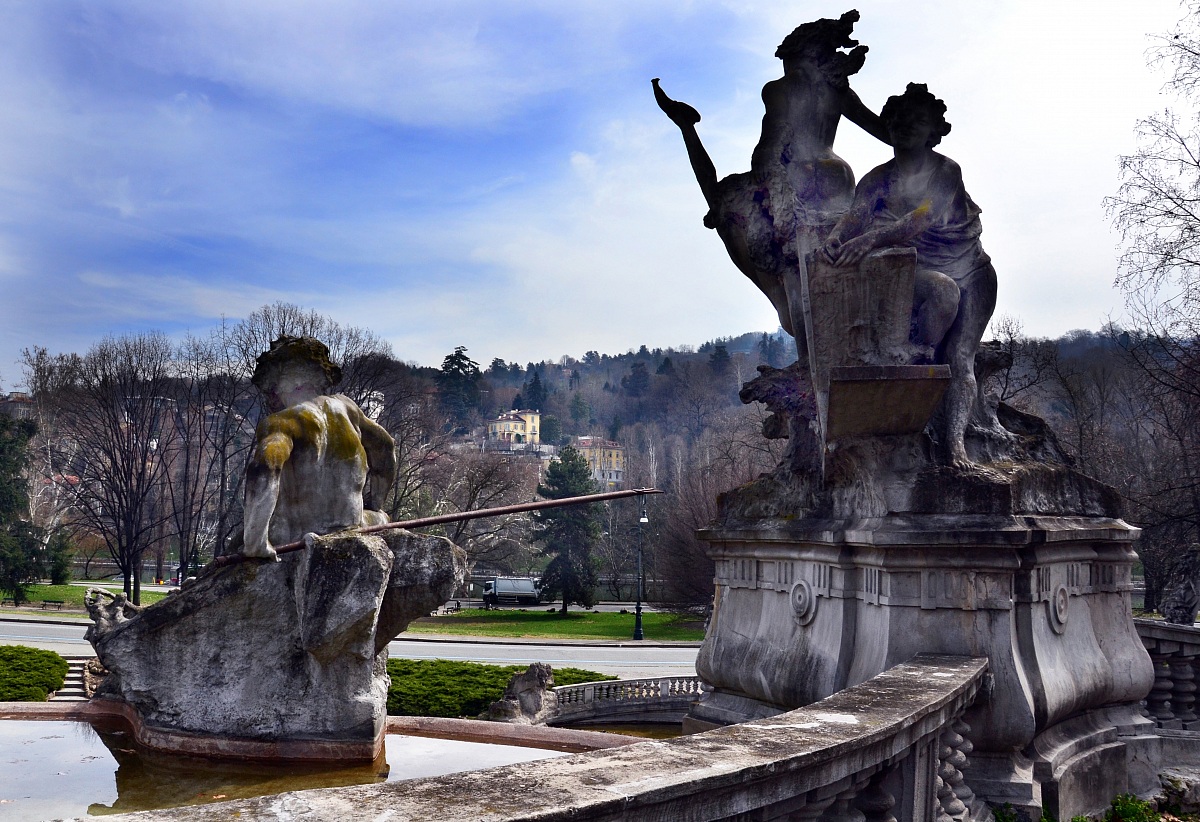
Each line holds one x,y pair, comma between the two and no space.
273,655
912,513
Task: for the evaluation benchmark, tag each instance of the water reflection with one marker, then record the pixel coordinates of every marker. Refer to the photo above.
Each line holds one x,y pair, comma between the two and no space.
145,779
64,769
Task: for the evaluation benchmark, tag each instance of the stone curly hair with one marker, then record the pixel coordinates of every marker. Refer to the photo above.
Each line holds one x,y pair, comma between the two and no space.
287,349
827,36
917,95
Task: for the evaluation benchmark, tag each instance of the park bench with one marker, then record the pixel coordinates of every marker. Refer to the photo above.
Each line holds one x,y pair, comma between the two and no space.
52,603
4,602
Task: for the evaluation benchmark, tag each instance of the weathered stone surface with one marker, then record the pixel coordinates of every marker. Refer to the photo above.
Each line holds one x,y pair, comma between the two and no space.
318,462
807,609
528,699
268,651
762,770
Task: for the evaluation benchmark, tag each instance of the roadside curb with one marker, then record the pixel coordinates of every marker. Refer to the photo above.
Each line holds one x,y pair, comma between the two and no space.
442,638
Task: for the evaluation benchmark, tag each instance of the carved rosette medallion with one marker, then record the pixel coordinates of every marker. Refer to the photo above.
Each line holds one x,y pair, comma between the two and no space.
804,602
1057,607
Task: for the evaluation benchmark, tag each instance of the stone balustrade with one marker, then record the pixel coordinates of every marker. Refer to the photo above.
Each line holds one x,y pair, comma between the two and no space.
1175,652
661,699
891,749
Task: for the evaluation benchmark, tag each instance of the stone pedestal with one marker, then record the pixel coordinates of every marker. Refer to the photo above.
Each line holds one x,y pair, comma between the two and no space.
274,660
807,608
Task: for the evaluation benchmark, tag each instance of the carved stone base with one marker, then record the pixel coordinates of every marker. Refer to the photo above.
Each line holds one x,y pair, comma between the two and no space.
804,611
274,659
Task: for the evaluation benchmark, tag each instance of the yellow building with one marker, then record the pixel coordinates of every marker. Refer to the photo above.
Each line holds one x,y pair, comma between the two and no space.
516,427
606,459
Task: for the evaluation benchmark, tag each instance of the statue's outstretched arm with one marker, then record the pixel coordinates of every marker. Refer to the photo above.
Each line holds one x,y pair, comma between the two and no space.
686,117
262,492
854,110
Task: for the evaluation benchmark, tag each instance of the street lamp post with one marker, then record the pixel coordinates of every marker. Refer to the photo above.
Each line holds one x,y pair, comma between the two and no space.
637,619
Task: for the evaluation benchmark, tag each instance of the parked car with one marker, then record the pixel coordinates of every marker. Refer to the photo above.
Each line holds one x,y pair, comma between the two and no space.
510,591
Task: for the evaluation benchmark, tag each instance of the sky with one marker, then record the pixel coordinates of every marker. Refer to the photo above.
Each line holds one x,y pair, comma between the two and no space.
497,175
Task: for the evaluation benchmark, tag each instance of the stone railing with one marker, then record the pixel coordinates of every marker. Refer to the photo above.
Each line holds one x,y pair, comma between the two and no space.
1175,652
891,748
663,699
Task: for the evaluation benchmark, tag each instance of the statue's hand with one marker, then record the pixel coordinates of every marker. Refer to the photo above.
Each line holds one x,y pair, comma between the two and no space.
852,251
832,250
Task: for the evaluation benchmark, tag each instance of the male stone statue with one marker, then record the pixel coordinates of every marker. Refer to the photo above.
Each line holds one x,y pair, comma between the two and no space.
314,456
770,218
918,199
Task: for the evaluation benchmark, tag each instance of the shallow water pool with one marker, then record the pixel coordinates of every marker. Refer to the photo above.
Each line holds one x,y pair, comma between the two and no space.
52,770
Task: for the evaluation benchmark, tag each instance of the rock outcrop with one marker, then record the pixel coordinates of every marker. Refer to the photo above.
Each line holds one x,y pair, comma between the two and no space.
288,657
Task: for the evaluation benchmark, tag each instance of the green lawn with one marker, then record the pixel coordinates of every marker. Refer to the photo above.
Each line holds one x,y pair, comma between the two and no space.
575,625
441,687
72,595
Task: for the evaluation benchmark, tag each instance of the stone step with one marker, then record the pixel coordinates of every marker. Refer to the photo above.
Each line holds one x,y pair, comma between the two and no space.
72,689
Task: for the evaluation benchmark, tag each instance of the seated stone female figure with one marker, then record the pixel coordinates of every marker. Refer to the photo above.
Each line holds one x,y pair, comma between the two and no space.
918,199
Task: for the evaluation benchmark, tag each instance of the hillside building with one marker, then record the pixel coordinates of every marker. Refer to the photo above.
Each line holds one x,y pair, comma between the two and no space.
516,427
605,458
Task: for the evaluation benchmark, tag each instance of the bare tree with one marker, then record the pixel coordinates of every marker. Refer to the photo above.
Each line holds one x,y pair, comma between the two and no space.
362,355
469,480
116,403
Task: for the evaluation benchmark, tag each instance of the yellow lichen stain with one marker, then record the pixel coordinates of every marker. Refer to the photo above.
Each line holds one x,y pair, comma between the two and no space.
924,208
344,441
278,434
274,450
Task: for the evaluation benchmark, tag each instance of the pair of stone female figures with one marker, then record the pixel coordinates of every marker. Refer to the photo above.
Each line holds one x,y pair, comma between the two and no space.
800,197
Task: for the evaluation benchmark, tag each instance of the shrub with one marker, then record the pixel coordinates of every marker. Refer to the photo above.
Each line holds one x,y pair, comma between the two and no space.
441,687
29,674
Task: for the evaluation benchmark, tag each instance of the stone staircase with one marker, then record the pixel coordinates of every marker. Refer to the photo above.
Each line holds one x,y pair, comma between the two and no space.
72,689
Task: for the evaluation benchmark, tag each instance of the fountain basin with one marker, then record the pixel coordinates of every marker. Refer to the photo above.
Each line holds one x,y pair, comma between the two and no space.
72,760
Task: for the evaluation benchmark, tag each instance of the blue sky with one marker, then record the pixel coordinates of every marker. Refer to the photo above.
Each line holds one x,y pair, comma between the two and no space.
496,175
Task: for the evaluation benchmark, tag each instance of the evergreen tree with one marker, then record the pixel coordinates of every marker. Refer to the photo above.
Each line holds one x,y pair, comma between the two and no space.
638,381
551,432
719,360
458,385
498,370
770,350
614,427
20,560
666,368
534,392
580,411
568,534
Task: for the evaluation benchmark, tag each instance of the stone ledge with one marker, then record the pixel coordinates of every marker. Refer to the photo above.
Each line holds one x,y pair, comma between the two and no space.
926,530
713,775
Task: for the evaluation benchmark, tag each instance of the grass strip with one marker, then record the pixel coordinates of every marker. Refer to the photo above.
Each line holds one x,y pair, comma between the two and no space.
575,625
72,595
441,687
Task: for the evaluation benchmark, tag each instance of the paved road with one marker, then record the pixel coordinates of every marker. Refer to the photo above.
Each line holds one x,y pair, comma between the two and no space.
624,660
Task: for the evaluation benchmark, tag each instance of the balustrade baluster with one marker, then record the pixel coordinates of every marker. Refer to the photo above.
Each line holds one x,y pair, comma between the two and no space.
951,776
875,802
843,809
1183,688
1158,701
811,811
944,792
962,761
